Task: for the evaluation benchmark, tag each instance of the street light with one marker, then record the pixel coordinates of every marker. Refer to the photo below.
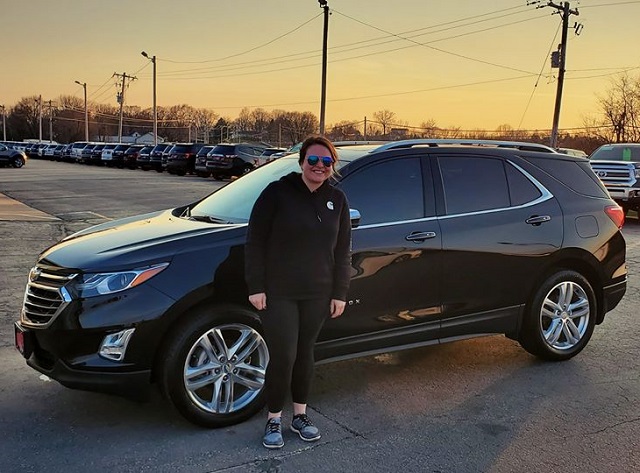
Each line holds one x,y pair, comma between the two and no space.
155,108
86,111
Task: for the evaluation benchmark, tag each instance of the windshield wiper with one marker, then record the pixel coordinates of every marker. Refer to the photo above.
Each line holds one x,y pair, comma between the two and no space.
208,219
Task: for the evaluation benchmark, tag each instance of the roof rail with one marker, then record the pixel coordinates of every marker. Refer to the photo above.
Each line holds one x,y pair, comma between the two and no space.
436,142
360,142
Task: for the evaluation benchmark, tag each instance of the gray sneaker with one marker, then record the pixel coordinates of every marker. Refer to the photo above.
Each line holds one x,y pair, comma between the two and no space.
303,426
273,434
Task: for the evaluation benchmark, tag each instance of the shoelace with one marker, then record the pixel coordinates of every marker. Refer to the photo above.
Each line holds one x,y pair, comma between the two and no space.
273,427
306,422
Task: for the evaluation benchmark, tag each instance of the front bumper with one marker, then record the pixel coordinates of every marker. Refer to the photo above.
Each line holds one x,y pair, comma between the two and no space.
67,349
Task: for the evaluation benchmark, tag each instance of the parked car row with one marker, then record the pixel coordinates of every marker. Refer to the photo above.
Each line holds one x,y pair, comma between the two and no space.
222,160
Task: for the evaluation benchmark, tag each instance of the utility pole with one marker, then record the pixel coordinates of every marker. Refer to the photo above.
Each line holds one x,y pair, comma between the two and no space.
120,98
155,106
86,111
565,11
365,129
323,95
4,124
40,118
50,121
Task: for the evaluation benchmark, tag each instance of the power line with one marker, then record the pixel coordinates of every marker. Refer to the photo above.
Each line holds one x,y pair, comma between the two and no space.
535,86
248,50
336,50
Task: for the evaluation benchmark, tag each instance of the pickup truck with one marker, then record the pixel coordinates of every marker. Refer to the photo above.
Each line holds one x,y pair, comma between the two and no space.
618,167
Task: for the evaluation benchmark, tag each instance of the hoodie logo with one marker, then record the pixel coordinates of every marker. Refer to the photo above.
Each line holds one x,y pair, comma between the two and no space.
330,205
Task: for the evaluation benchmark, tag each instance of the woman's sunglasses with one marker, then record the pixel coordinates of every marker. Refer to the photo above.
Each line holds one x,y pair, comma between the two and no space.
326,160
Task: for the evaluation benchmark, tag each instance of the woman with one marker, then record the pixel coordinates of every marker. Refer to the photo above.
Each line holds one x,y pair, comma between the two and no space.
297,256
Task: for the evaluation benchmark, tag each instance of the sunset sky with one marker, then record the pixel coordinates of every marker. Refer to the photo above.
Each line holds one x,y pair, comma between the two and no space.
464,63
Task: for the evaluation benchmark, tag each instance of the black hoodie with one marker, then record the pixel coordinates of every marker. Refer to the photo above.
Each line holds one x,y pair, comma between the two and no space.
299,242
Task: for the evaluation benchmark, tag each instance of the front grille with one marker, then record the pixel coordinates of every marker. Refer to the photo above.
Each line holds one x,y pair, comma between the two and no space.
45,295
615,173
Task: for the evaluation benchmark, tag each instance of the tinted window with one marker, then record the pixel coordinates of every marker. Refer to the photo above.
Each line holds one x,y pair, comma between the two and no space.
521,189
387,191
472,184
577,176
204,150
181,149
224,149
617,153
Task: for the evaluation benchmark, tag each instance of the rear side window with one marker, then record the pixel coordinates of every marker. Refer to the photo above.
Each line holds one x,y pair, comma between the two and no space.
472,184
577,176
521,189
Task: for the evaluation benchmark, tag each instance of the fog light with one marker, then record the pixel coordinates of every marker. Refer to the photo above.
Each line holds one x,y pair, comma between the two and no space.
114,346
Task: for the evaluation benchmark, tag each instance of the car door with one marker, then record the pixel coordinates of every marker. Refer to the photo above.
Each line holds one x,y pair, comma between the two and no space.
499,228
394,294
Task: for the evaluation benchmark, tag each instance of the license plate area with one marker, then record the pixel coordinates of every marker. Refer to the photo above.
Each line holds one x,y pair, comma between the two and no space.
23,340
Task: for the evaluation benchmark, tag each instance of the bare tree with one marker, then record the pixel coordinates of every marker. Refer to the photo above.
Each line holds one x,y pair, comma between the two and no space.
429,129
344,130
385,118
204,120
620,108
22,120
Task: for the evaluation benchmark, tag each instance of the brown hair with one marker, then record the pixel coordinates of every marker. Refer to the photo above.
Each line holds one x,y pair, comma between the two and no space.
317,140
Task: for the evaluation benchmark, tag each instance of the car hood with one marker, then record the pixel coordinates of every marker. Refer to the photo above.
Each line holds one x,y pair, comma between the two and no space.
138,241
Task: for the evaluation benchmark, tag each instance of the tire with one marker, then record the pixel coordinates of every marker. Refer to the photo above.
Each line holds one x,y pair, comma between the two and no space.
247,169
561,317
198,354
18,162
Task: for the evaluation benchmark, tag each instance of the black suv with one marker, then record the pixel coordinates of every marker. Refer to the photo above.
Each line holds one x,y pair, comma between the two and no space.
155,156
182,158
450,240
230,159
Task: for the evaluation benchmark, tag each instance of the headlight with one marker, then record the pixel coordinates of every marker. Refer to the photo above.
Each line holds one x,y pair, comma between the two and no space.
98,284
637,172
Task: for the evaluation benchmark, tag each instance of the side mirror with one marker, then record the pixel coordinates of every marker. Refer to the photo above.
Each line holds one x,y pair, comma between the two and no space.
354,215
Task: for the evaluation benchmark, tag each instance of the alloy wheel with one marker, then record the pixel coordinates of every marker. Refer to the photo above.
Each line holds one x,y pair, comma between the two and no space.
225,368
564,316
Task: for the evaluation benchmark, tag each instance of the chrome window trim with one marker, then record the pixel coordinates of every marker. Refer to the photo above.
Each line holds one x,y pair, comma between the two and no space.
545,195
399,222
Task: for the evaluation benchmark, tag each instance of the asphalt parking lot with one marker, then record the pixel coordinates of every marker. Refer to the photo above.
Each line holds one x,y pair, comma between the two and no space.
481,405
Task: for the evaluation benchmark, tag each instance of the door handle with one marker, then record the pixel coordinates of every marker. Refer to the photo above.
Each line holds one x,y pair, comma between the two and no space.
537,219
420,236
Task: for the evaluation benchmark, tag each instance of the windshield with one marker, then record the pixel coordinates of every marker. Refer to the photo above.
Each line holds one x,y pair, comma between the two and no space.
629,152
233,202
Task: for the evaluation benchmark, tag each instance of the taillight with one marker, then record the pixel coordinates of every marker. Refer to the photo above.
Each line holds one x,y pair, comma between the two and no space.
615,213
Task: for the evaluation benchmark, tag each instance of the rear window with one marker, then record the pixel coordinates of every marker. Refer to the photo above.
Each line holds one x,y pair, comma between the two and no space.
617,153
224,149
121,147
181,149
576,175
204,150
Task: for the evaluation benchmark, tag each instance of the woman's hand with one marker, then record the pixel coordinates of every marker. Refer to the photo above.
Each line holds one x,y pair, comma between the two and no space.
259,300
337,308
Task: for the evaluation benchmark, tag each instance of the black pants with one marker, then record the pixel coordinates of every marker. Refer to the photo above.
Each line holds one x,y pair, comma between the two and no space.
291,328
